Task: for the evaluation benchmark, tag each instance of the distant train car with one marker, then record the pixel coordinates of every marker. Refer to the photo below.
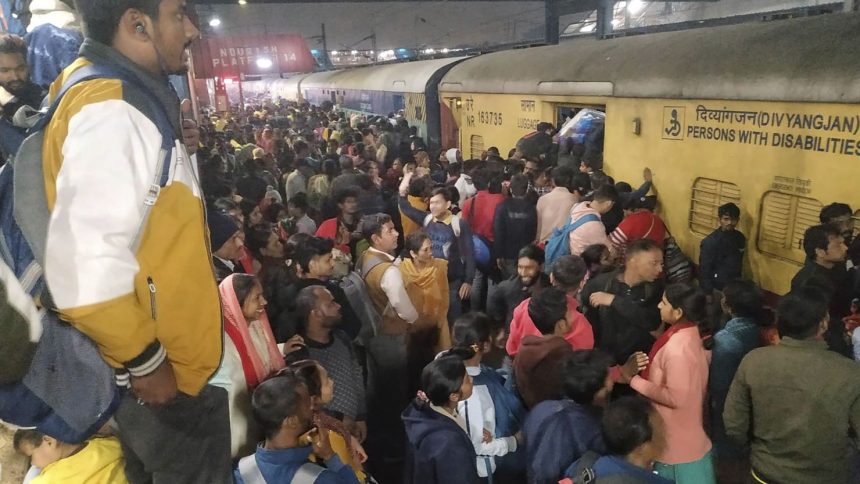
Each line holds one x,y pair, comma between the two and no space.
764,115
410,87
277,88
288,88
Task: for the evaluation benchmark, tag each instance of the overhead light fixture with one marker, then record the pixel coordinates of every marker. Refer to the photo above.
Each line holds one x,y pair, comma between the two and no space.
243,2
215,22
334,52
445,50
635,6
264,63
355,52
588,28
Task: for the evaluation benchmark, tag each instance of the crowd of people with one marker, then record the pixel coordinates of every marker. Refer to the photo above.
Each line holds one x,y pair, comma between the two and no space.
320,296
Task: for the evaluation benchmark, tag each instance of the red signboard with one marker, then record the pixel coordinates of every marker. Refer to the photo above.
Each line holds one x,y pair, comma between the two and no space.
251,55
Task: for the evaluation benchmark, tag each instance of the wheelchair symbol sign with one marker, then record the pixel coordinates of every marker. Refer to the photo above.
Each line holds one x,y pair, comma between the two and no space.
673,122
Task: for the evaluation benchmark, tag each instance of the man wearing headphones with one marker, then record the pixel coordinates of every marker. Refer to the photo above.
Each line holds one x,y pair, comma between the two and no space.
127,258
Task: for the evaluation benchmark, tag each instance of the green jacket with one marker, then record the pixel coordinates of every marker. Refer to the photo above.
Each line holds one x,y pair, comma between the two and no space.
20,327
794,404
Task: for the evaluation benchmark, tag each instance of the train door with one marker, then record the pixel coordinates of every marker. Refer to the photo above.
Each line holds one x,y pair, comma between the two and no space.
583,139
450,119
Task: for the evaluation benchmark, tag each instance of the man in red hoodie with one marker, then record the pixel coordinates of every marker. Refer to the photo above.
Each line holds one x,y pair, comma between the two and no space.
538,364
568,275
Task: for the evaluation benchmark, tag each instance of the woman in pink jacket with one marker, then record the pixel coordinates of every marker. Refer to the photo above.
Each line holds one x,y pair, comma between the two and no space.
676,381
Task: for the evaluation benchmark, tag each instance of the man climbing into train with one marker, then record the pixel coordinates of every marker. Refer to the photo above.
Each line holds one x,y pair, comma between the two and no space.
126,257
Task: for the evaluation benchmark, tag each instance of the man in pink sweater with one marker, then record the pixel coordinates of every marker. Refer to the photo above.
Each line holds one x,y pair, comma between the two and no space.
592,231
567,275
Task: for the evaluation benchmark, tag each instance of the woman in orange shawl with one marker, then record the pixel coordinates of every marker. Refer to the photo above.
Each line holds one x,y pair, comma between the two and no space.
426,280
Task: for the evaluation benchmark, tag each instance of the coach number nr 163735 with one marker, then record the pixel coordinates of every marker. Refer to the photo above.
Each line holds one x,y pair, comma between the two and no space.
490,117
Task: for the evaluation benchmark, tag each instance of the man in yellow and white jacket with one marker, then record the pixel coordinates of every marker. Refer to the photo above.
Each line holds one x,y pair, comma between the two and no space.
134,276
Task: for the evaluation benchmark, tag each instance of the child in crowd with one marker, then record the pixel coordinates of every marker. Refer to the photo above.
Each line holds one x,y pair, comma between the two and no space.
96,461
283,409
321,390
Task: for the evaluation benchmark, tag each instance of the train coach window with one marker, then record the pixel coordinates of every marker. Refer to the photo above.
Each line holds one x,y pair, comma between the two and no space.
708,195
784,219
476,146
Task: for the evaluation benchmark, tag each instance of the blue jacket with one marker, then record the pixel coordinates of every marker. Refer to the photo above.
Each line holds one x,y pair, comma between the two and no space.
438,450
557,433
279,466
616,466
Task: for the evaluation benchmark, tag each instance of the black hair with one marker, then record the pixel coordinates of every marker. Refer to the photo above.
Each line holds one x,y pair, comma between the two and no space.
444,191
299,201
225,205
442,377
275,400
800,312
454,169
580,183
242,285
473,328
27,436
547,308
606,193
300,146
101,17
313,247
495,183
693,303
593,254
413,242
257,237
533,252
623,187
372,224
519,185
417,187
341,195
306,301
247,208
729,209
543,126
568,271
330,168
585,373
626,424
834,210
744,299
562,176
308,371
641,245
13,44
818,237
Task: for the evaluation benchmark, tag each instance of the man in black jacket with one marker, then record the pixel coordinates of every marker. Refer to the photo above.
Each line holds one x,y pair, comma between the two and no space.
525,283
722,252
514,226
622,305
825,270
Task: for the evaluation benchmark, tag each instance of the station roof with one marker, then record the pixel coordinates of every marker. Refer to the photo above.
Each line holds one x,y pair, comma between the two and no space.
813,59
400,77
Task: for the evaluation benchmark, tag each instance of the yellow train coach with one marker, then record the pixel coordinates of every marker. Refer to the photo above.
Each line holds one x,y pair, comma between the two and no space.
764,115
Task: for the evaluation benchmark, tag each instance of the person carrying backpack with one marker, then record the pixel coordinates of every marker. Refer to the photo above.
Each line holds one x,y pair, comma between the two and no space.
584,228
452,240
126,255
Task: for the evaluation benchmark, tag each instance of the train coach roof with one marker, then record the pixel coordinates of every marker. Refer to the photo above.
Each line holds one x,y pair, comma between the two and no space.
813,59
400,77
